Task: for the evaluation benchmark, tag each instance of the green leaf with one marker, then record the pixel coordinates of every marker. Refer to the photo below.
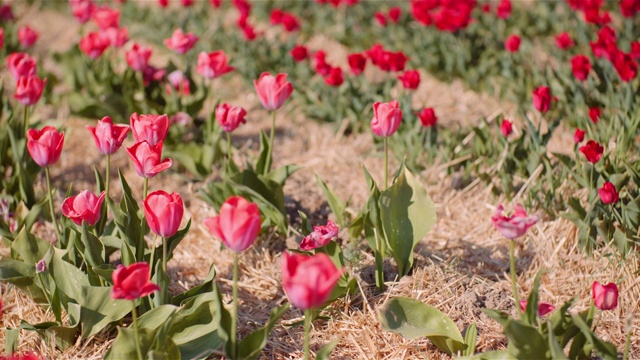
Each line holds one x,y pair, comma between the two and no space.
63,336
99,309
94,252
251,346
69,279
525,342
206,286
412,318
281,174
335,203
470,340
604,348
325,352
407,214
555,349
531,312
124,346
30,248
263,165
12,341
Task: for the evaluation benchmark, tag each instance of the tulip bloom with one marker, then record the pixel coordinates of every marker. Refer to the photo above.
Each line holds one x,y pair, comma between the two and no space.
163,212
427,117
503,10
179,83
85,206
308,280
82,10
608,193
237,224
334,78
29,89
512,44
106,18
132,282
580,66
45,146
514,226
181,42
107,136
564,41
146,159
320,236
578,136
213,64
230,117
150,128
116,36
506,127
386,118
138,57
94,44
394,14
320,64
542,99
21,65
592,151
357,62
594,114
543,307
299,53
273,91
27,36
410,79
605,297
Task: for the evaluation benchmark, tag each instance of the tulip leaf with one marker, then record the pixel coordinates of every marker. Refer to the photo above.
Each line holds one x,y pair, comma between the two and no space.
407,214
206,286
124,346
325,352
335,203
99,309
251,346
12,341
94,253
412,319
281,174
69,279
263,165
30,248
63,336
525,342
604,348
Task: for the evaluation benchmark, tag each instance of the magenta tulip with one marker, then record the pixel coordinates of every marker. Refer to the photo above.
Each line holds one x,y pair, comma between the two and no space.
138,57
107,136
230,117
605,297
308,280
132,282
237,225
163,212
273,91
515,225
147,159
213,64
150,128
320,236
45,146
29,89
85,206
20,65
386,118
181,42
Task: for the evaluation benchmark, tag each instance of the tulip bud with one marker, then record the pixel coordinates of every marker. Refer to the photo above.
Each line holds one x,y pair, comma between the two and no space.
237,224
605,297
386,118
273,91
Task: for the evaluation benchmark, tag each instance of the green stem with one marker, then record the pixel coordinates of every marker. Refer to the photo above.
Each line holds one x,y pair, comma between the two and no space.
26,121
627,343
234,317
51,208
164,254
307,332
107,176
153,252
512,270
165,287
145,188
271,138
386,163
135,329
229,153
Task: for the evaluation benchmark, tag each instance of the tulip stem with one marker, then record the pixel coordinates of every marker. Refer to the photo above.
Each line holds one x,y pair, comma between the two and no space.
627,343
307,332
234,317
145,188
165,288
26,121
386,163
51,208
135,329
267,166
229,153
107,176
153,252
512,270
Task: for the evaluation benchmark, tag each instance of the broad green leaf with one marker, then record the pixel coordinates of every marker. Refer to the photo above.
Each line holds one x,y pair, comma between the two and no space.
555,349
251,346
325,352
12,341
407,214
30,248
124,346
491,355
63,336
263,165
531,312
99,309
604,348
206,286
412,319
470,340
281,174
335,203
94,252
525,342
69,279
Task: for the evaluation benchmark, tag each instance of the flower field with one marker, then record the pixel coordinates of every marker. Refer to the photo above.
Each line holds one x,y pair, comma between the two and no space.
323,179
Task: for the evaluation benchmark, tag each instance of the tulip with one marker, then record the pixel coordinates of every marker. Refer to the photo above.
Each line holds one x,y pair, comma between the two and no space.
21,65
179,83
138,57
397,61
605,297
542,99
334,78
150,128
512,44
308,280
578,136
592,151
594,114
273,91
625,65
213,64
27,36
427,117
394,14
381,18
503,10
289,22
299,53
514,226
564,41
543,307
580,66
106,18
357,62
45,146
82,10
276,17
386,118
132,282
320,236
506,127
117,37
230,117
29,89
320,64
107,136
1,37
608,193
146,159
94,44
163,212
237,224
410,79
181,42
85,206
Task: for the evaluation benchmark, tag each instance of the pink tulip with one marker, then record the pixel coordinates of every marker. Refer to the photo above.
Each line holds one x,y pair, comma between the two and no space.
21,64
45,146
181,42
29,89
605,297
117,36
542,98
273,91
82,10
230,117
106,18
163,212
178,82
427,117
543,307
146,159
107,136
85,206
308,280
27,36
150,128
608,193
213,64
320,236
386,118
506,127
237,224
94,44
515,225
138,57
132,282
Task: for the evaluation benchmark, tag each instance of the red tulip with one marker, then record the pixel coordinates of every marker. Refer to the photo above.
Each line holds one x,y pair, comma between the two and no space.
163,3
357,62
629,8
106,18
410,79
230,117
386,118
213,64
273,91
334,78
427,117
290,22
299,53
320,236
394,14
503,10
308,280
397,61
543,307
22,356
21,64
248,32
186,3
85,206
512,44
146,159
580,66
564,41
82,10
594,114
138,57
132,282
45,146
150,128
578,136
605,297
27,36
381,18
181,42
592,151
320,64
608,193
506,127
163,212
107,136
94,44
542,99
29,89
237,224
276,17
625,65
635,49
6,14
514,226
1,37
